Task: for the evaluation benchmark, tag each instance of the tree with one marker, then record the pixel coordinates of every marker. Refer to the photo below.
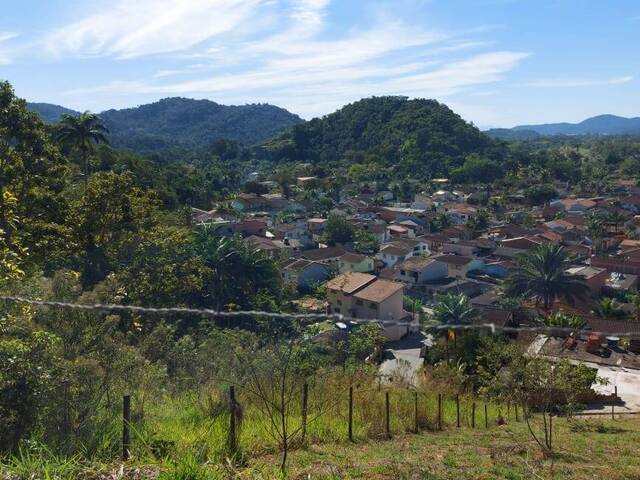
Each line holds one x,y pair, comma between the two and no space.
597,230
453,309
338,230
105,223
82,133
561,319
32,177
542,274
540,387
540,194
608,308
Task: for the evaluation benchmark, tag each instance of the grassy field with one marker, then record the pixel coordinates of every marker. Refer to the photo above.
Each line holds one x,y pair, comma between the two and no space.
585,449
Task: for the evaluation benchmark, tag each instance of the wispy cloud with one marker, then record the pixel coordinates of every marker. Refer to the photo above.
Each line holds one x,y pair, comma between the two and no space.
127,29
5,57
577,82
291,62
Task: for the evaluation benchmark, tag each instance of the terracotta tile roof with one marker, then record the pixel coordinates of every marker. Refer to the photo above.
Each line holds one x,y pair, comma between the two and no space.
379,291
416,264
323,253
350,257
350,282
454,259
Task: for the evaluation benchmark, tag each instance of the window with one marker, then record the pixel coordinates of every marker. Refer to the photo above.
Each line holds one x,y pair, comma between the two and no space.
336,310
402,272
359,302
374,306
339,302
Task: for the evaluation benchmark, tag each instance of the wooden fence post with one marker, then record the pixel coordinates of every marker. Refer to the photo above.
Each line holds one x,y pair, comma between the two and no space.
233,446
508,411
126,423
486,416
458,411
387,414
613,402
351,413
305,401
439,411
473,415
516,408
550,431
415,411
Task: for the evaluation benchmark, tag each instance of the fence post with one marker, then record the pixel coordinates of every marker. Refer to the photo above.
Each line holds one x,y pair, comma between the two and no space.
458,411
415,411
516,408
351,413
439,411
508,411
305,400
232,421
126,421
486,416
66,419
473,415
613,402
550,431
387,414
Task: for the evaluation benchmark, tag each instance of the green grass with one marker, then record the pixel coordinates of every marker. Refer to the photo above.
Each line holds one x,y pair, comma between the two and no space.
185,437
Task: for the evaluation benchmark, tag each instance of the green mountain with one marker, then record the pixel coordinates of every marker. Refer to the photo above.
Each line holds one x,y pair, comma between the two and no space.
183,122
50,113
599,125
388,131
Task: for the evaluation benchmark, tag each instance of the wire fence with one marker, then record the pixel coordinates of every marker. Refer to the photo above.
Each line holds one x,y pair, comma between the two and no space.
335,317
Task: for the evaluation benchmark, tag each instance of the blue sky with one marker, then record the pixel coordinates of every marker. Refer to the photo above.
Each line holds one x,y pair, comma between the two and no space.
496,62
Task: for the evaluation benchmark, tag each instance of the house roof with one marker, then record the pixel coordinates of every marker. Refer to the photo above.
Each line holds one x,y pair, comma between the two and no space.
379,291
454,259
323,253
299,264
350,282
417,264
395,250
350,257
585,271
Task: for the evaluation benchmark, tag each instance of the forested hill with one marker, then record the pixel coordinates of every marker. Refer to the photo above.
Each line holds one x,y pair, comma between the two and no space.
391,131
599,125
183,122
50,113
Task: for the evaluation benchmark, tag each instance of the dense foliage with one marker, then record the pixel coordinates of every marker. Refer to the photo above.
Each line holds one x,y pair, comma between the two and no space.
406,136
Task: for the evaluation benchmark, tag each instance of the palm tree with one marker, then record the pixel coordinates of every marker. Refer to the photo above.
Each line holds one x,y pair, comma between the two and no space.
608,308
542,274
453,309
81,133
597,231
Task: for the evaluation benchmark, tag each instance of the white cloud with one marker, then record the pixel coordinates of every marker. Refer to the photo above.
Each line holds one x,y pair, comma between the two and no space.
133,28
578,82
290,61
5,57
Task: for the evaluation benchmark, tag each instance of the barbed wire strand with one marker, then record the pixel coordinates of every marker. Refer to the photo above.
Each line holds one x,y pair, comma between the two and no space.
335,317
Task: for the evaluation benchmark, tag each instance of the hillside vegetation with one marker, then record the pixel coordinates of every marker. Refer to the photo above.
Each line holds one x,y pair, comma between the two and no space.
183,122
410,134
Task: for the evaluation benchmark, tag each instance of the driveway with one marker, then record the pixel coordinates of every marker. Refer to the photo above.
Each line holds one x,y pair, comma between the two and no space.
401,358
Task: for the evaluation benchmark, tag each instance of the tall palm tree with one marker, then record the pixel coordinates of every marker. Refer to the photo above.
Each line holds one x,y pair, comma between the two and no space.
81,133
542,274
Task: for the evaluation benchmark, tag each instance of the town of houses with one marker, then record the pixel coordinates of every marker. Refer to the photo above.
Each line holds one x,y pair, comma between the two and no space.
412,259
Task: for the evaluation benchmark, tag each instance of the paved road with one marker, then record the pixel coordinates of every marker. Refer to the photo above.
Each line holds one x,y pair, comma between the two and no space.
402,358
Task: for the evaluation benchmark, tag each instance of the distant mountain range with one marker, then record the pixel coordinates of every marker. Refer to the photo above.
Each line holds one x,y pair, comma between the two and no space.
599,125
183,122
